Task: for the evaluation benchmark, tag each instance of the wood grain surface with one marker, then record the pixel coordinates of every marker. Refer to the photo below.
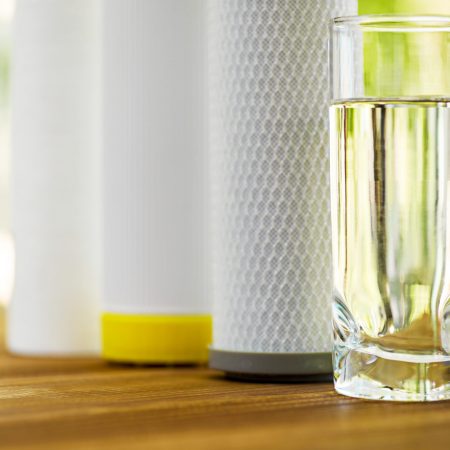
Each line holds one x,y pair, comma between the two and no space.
89,404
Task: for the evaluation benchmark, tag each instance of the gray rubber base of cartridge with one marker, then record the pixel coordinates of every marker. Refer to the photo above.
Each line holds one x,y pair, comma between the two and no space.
275,367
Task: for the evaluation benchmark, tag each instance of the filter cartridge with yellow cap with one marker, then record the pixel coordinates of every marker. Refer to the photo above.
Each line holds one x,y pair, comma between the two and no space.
155,281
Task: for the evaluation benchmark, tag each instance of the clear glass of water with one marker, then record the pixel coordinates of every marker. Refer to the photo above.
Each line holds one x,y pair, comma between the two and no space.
390,189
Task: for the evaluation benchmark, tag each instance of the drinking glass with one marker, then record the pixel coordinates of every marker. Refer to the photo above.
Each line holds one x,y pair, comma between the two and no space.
390,175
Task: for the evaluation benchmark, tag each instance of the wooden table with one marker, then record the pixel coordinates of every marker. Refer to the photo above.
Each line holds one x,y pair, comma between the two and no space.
89,404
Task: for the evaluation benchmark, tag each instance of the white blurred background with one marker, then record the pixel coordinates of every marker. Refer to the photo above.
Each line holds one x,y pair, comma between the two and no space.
6,247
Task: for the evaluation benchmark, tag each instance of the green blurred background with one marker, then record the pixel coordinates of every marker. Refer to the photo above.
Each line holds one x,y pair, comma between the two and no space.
406,64
6,10
404,6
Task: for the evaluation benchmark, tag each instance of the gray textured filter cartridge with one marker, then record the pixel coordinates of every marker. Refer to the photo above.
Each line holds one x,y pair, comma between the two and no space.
271,231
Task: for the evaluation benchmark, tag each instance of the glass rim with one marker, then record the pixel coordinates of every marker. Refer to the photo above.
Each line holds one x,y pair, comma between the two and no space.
393,23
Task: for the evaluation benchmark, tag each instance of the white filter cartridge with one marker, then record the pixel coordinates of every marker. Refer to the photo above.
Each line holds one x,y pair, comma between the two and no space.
55,309
272,239
154,221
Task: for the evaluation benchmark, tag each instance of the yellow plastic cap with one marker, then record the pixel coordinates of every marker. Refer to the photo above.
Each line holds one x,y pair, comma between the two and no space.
156,339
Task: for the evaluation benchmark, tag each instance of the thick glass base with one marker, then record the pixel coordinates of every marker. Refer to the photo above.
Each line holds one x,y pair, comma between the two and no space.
371,373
